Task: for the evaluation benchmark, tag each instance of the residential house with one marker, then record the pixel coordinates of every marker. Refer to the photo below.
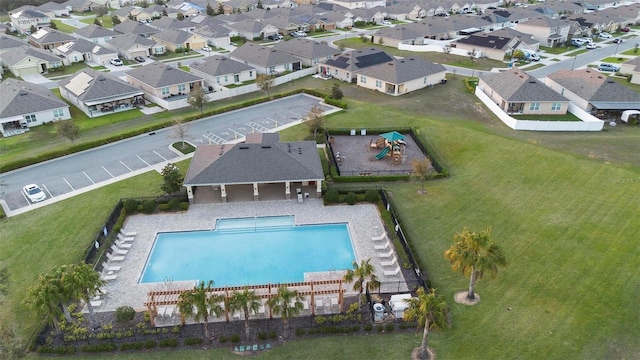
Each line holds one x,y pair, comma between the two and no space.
9,42
342,19
631,13
406,11
268,166
400,34
162,81
346,66
310,52
97,93
371,15
548,31
632,67
124,13
220,71
24,21
264,59
359,4
252,29
53,9
133,27
82,50
24,105
593,91
49,39
129,46
400,76
82,6
179,40
166,23
187,9
237,6
597,22
215,35
515,92
275,4
94,33
27,60
497,44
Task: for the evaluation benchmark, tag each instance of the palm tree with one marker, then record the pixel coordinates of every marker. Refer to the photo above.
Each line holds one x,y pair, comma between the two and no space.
84,283
474,254
246,301
44,298
430,310
287,303
364,276
198,304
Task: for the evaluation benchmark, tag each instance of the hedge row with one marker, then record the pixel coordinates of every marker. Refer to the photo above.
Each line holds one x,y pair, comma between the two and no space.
96,143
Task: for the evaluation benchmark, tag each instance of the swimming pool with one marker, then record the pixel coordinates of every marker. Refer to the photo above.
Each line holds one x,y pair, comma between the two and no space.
249,251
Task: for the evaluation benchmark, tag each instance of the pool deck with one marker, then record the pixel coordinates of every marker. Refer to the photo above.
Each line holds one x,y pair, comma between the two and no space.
364,223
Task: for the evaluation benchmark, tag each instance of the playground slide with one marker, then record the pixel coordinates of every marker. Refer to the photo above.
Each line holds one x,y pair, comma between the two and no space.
382,153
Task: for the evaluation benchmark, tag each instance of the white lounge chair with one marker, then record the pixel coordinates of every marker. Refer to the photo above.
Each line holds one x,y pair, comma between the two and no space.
386,255
123,245
112,257
378,238
115,250
162,311
114,268
261,309
128,234
109,277
123,238
334,301
305,304
169,312
96,303
318,303
392,272
388,263
382,247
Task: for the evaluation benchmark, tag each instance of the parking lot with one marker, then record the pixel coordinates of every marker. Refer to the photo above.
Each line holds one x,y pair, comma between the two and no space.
81,172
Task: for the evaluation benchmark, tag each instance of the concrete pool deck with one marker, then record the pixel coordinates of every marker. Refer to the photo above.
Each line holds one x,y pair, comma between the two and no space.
363,222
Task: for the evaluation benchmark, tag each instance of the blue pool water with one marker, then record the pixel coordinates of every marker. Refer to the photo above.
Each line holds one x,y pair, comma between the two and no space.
249,252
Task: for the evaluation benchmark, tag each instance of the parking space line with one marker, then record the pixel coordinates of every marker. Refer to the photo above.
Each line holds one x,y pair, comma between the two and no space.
85,174
65,180
141,159
45,187
105,169
236,133
25,198
163,158
125,165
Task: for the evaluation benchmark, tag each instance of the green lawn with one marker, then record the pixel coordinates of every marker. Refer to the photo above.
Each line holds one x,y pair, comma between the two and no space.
106,21
574,53
566,117
615,59
63,27
554,50
632,52
67,70
561,205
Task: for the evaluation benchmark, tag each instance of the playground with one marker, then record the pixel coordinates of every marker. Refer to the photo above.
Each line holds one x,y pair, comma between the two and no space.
390,153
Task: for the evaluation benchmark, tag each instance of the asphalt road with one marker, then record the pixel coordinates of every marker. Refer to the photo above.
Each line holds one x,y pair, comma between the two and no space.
70,175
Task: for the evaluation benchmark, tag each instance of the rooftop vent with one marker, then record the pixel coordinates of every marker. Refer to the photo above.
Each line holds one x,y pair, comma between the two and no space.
243,147
531,81
266,146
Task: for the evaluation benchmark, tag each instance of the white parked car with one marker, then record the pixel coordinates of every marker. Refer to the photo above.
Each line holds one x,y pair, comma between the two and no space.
604,35
206,48
34,193
592,46
299,33
116,62
386,22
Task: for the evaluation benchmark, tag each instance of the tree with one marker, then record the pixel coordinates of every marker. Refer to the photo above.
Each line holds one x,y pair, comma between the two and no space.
247,302
11,346
210,10
44,299
430,310
259,5
286,303
164,12
33,29
341,46
315,120
381,41
143,4
180,129
198,98
101,10
4,283
472,54
115,20
180,16
364,277
265,83
171,179
198,304
475,254
53,25
220,9
97,21
518,54
84,283
68,129
421,169
446,49
336,93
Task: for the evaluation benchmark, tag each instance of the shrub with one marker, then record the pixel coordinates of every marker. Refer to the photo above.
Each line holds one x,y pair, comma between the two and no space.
332,196
390,327
132,346
174,203
372,196
338,103
262,336
368,327
299,331
124,314
222,339
150,344
273,334
379,328
320,320
169,343
149,206
97,348
60,350
184,206
351,198
147,316
235,338
193,341
164,207
130,206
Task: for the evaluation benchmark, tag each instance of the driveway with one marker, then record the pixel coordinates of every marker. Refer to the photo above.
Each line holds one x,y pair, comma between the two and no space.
36,79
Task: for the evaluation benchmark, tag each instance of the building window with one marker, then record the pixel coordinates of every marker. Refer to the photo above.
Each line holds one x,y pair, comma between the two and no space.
363,79
58,113
217,79
165,91
272,69
378,83
556,106
336,72
535,106
181,87
30,118
250,74
424,81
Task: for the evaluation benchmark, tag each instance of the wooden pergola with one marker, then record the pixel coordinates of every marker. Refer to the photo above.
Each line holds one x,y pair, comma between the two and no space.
312,289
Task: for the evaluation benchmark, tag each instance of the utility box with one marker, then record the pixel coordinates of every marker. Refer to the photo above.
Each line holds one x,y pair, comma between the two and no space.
299,192
378,312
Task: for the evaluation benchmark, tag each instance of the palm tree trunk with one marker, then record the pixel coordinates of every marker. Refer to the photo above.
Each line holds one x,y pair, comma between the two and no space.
246,324
472,283
285,327
90,308
67,314
424,354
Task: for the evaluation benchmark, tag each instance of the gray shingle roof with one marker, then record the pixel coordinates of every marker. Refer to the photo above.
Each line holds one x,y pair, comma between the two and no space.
50,36
359,59
84,46
486,41
248,163
173,36
166,23
595,86
128,41
516,85
16,55
262,56
51,6
133,27
32,14
305,48
102,86
94,31
8,41
158,74
401,71
220,65
20,97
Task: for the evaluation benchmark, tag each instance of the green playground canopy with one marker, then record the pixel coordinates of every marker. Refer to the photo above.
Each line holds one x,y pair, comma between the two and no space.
392,136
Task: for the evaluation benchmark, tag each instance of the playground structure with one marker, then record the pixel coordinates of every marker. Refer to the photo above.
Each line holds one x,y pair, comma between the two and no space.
392,144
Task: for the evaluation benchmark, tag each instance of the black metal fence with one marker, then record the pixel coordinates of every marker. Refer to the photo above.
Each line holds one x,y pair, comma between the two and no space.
102,237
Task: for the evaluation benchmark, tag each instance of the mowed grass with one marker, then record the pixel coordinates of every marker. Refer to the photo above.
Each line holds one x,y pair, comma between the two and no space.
63,27
567,220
